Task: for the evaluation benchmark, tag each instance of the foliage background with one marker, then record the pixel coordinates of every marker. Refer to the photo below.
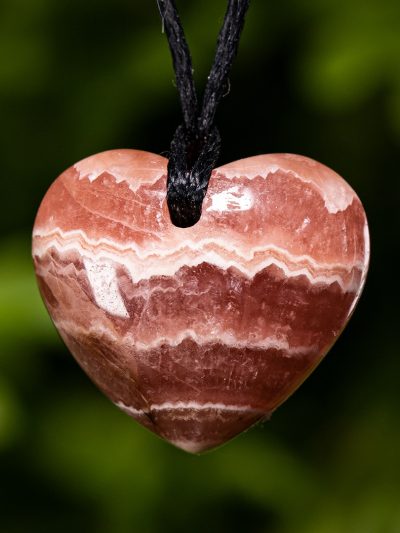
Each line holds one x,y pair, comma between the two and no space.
315,77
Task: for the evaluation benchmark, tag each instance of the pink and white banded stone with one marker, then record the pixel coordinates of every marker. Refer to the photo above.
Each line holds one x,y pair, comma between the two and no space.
200,332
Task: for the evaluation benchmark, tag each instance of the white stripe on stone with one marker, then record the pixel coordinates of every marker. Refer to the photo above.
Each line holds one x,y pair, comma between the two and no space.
156,250
188,405
220,337
156,267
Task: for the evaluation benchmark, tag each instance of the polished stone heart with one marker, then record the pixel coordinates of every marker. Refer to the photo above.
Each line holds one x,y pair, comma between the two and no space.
198,333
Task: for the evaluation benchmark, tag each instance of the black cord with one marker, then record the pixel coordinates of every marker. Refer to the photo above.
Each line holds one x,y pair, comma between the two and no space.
181,60
196,143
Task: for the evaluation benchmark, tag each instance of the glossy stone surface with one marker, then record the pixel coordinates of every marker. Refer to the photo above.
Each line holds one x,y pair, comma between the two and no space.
198,333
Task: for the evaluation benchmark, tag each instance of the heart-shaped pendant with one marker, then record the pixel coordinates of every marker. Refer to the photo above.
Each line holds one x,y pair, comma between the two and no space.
200,332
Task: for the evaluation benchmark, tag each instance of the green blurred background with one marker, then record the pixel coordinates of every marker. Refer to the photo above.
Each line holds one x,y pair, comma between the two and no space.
314,77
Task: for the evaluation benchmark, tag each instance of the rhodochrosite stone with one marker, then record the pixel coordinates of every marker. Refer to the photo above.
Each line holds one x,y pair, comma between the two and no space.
198,333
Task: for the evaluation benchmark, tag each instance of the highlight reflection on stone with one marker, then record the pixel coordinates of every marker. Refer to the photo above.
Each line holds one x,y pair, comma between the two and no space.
200,332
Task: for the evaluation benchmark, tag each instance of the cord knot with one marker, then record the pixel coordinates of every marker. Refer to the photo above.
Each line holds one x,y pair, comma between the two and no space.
192,159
